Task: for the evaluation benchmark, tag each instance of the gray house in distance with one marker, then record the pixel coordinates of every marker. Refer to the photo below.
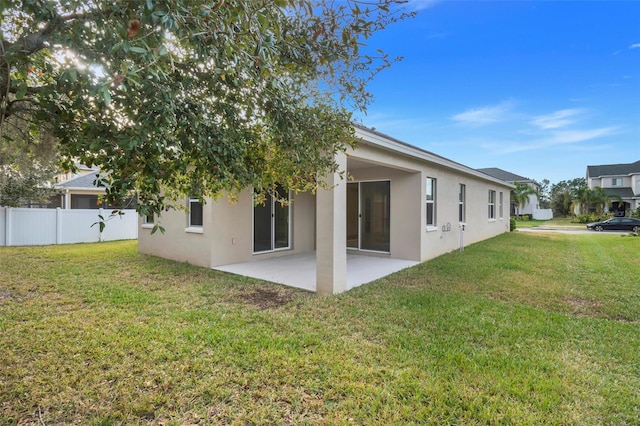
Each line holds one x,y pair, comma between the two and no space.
532,206
619,181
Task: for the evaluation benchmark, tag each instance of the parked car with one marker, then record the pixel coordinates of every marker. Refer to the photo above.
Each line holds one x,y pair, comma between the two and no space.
616,224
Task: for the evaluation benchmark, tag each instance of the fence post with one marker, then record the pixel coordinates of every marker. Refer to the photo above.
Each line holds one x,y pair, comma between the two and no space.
3,211
7,224
58,225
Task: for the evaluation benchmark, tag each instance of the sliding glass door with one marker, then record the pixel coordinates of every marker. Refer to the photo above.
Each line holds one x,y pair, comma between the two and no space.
271,223
368,216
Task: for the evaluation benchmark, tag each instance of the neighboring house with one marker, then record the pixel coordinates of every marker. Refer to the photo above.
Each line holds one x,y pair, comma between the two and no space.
400,202
73,190
532,206
80,192
621,182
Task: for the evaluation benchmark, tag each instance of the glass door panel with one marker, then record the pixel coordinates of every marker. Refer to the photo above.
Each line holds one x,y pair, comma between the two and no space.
271,223
353,213
262,226
375,209
281,221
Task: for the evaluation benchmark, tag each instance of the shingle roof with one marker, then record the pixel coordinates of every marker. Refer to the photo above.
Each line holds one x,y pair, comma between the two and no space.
84,181
613,169
504,175
619,192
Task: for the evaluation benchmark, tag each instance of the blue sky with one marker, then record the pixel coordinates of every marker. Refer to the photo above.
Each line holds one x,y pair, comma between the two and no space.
539,88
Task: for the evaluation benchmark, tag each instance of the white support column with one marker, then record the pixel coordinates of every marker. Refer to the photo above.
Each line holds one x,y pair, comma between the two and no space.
331,233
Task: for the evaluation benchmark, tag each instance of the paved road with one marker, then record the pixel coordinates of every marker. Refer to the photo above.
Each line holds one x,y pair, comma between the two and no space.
570,231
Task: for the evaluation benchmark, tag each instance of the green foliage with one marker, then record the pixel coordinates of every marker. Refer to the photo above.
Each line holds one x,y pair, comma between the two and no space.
18,186
520,195
512,223
27,163
544,194
636,212
180,97
563,194
590,217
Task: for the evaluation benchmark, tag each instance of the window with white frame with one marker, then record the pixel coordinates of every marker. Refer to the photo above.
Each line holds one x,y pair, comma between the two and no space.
500,205
148,219
431,202
195,213
616,182
462,196
492,204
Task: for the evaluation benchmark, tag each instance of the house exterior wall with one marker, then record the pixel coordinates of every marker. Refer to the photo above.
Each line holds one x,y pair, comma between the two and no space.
410,238
628,181
607,182
227,233
405,209
232,225
179,243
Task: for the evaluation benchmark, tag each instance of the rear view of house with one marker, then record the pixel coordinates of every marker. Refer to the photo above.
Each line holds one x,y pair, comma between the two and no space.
400,203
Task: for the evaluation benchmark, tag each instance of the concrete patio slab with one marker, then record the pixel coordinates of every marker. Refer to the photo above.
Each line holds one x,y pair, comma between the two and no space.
299,270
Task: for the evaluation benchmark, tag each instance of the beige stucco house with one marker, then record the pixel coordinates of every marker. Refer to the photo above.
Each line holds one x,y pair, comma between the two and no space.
400,202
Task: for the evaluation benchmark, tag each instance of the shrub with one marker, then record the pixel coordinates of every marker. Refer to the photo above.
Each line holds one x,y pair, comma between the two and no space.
636,212
589,217
512,224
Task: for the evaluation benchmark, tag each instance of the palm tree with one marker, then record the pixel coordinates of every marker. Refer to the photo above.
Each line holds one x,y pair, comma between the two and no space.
602,200
582,199
520,195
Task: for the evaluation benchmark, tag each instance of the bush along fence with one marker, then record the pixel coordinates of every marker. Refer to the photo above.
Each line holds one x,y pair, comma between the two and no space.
26,227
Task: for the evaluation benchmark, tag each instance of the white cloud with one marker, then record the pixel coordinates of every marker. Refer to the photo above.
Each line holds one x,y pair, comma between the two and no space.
574,136
422,4
485,115
635,46
556,119
557,138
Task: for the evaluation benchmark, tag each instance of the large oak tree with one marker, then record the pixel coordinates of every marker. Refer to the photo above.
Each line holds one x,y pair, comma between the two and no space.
188,97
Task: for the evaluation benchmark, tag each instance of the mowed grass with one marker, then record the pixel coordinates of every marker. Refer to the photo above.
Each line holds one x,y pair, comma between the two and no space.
519,329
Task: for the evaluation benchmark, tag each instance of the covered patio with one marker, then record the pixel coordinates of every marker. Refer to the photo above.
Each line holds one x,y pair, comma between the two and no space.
299,270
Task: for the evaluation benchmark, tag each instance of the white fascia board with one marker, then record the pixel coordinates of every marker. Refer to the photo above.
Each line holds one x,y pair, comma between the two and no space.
84,189
379,140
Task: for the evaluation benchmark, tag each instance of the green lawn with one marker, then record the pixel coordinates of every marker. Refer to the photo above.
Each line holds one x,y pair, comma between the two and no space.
520,329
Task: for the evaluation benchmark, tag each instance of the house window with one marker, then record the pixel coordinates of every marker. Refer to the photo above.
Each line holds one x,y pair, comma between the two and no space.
148,219
462,195
431,202
616,182
195,213
500,204
492,204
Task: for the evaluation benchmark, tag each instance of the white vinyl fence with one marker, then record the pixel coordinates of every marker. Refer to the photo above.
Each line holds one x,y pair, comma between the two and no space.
28,227
542,214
